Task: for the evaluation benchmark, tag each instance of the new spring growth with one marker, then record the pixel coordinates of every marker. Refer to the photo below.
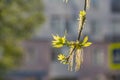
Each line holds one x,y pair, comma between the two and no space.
60,42
81,19
75,48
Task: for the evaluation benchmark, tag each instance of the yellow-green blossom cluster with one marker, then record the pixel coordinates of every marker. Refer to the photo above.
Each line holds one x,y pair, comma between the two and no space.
81,19
82,14
62,58
75,52
58,41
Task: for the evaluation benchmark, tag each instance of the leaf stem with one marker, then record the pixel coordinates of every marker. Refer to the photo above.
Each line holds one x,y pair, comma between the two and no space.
81,28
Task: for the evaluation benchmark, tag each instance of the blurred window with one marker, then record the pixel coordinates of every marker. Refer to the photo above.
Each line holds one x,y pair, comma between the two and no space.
98,57
68,25
95,27
116,27
94,4
55,52
56,23
116,56
115,6
114,31
30,55
71,26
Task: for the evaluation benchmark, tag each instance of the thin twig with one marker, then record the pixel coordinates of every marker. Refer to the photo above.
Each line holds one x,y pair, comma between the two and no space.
80,32
81,27
85,6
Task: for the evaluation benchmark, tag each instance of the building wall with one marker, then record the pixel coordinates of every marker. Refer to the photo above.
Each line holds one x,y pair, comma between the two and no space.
35,62
102,22
37,56
95,61
102,26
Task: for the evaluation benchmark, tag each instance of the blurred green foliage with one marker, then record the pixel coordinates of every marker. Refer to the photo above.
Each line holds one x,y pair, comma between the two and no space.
18,19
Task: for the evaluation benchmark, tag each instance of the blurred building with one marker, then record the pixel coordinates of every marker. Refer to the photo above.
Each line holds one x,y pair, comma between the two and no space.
35,62
102,27
102,19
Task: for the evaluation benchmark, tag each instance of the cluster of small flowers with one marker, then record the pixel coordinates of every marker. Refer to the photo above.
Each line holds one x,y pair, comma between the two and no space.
75,52
59,42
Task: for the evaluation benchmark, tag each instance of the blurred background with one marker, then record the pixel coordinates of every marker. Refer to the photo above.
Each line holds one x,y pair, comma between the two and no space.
25,39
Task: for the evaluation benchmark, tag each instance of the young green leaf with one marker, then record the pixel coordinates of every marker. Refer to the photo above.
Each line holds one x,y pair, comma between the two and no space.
87,44
85,40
